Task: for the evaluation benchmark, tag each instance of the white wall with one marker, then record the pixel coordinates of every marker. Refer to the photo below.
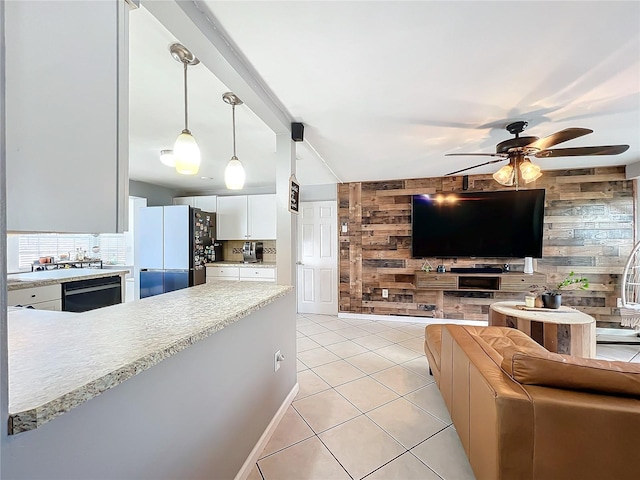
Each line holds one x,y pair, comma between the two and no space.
318,193
195,415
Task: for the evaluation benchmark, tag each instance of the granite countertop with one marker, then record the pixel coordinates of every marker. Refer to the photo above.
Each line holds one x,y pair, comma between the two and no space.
59,360
242,264
51,277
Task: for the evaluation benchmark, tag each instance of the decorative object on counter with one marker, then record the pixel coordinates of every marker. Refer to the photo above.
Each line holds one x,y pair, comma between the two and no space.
234,175
528,265
186,152
552,297
166,157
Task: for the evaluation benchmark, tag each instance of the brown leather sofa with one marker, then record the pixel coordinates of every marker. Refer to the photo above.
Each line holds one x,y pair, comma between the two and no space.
523,412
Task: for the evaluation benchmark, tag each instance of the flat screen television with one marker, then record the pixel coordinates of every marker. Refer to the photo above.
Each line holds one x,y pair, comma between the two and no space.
504,224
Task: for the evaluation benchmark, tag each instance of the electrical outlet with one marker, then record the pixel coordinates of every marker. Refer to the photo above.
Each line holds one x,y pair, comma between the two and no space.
385,293
277,358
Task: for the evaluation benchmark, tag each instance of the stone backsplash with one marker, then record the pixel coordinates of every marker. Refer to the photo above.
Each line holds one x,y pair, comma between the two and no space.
232,250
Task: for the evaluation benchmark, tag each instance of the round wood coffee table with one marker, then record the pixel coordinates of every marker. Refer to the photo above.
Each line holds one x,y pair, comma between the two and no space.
565,330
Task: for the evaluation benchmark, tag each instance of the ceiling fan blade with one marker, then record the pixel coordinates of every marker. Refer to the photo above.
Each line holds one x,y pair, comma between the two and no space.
475,154
583,151
559,137
476,166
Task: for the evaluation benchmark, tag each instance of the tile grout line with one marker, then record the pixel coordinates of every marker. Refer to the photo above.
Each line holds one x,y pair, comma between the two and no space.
365,374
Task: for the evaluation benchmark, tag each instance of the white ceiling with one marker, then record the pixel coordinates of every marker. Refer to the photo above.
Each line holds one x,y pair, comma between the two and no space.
386,88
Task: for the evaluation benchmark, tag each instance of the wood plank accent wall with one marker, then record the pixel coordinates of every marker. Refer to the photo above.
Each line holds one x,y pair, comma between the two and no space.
588,228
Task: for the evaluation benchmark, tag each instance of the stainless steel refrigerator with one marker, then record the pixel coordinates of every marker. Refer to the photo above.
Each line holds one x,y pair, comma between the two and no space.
172,243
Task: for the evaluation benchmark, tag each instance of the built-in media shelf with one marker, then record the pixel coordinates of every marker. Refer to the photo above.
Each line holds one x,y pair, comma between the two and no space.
503,282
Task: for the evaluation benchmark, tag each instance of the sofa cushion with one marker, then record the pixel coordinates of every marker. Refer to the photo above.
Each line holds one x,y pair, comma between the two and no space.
531,366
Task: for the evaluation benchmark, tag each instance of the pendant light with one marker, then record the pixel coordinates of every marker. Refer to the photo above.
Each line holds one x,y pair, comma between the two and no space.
186,153
234,175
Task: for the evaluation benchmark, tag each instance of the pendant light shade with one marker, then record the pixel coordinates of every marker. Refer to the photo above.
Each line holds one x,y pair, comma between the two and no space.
234,175
529,171
186,152
505,175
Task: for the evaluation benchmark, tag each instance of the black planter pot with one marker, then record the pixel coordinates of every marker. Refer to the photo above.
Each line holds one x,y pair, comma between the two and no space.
550,300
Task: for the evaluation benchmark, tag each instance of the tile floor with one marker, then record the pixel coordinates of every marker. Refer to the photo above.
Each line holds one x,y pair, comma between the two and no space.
368,408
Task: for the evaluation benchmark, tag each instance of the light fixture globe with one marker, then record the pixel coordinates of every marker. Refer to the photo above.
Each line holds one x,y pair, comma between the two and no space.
186,154
529,171
505,175
234,175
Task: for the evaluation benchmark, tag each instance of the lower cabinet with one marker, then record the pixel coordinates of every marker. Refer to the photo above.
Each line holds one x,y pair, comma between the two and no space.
223,273
245,274
48,297
258,274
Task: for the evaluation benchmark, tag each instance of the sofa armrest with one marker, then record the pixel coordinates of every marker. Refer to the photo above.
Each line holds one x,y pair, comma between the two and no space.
535,367
492,413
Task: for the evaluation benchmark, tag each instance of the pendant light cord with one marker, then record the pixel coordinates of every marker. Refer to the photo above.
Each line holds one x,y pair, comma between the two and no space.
186,116
233,119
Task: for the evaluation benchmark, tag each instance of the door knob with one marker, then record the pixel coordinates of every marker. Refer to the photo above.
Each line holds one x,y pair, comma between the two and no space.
299,263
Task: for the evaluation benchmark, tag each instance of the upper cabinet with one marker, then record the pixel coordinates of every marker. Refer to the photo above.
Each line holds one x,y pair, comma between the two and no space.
67,116
246,217
206,203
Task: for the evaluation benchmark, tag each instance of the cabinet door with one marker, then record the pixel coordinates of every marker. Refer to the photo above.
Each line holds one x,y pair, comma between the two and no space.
262,217
67,116
206,203
231,218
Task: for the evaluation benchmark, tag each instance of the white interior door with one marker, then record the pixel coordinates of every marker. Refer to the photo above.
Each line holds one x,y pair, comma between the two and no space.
318,258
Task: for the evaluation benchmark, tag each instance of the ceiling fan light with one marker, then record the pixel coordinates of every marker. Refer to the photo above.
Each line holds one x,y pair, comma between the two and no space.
532,177
186,154
234,175
504,176
166,157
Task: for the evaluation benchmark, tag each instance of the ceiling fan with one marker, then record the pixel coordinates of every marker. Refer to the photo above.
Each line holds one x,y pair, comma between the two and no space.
516,151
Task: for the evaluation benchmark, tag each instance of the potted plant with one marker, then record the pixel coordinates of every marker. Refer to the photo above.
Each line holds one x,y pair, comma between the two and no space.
552,297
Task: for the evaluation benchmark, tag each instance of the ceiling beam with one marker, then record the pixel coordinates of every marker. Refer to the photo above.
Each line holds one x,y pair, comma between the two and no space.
195,27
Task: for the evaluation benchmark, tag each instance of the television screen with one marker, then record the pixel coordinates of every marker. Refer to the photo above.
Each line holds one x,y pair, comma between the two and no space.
505,224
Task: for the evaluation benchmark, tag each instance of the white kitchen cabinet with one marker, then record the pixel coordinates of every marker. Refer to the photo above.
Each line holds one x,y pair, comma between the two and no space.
262,223
48,297
206,203
246,217
231,218
243,274
257,274
67,116
223,273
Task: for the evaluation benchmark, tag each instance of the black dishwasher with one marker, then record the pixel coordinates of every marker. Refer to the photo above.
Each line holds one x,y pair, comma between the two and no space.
83,295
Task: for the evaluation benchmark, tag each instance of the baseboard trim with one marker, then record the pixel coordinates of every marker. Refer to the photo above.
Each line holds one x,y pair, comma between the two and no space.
251,460
424,320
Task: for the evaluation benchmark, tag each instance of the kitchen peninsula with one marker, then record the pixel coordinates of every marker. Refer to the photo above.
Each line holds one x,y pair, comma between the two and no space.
179,385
